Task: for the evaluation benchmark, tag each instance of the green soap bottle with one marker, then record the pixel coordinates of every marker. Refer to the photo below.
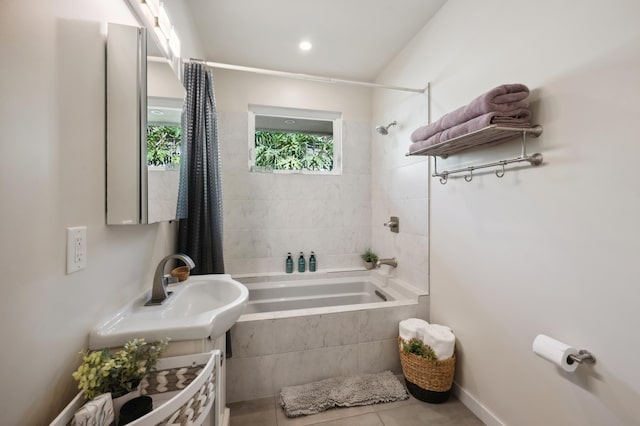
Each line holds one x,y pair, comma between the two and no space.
312,262
301,263
289,263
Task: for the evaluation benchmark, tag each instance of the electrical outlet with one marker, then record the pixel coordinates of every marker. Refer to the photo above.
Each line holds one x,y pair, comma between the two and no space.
76,248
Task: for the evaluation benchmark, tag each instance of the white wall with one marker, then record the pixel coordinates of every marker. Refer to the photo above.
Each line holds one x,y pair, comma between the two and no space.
163,82
267,215
547,250
52,112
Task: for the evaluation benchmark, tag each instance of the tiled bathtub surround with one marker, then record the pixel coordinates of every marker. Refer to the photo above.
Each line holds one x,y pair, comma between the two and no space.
272,353
267,215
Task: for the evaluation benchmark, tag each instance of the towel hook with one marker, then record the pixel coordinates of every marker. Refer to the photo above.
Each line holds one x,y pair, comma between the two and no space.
469,177
443,178
500,173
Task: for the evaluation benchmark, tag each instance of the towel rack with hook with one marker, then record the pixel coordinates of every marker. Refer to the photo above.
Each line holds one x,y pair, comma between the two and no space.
490,135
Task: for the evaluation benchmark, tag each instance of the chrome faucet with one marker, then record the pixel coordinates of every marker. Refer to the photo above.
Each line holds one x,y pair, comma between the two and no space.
391,262
159,289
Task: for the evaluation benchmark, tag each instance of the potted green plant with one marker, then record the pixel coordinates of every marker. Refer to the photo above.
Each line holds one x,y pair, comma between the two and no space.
119,373
417,346
370,258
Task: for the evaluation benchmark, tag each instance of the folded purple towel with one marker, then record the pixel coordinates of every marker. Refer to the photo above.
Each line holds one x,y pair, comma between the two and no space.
504,98
519,118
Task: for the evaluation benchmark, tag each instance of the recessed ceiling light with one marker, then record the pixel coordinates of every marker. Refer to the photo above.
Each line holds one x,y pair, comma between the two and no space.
305,45
289,121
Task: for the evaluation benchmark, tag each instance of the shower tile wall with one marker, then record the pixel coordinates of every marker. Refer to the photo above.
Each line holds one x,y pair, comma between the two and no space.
267,215
163,193
401,188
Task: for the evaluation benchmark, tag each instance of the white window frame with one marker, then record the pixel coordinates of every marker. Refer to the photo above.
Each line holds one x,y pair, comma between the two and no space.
284,112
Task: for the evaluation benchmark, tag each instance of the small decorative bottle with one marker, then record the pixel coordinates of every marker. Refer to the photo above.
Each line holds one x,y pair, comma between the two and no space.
289,263
301,263
312,262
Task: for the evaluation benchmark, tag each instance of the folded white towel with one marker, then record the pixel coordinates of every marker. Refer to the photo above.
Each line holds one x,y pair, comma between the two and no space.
97,412
441,340
412,328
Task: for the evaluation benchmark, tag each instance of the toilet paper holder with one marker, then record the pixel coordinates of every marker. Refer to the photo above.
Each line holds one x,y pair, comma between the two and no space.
582,357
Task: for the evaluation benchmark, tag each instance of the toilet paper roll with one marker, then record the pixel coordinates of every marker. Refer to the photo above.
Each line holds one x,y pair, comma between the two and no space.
555,352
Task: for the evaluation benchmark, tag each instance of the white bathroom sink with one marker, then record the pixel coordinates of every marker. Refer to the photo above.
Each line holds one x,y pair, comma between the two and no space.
201,306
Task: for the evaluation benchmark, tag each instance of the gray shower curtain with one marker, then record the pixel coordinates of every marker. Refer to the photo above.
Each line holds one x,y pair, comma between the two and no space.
200,194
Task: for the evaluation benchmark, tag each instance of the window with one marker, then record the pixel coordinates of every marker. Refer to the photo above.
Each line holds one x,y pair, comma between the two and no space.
289,140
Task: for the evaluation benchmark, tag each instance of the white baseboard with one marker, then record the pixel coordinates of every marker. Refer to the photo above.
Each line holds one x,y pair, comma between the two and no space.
482,412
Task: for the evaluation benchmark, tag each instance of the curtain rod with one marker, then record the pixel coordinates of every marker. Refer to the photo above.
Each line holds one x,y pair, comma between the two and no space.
308,77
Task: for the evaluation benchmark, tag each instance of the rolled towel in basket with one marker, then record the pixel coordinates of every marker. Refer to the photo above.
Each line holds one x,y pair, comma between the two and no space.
441,340
412,328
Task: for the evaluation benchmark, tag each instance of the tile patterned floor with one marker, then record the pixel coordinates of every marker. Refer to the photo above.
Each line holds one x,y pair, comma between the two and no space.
411,412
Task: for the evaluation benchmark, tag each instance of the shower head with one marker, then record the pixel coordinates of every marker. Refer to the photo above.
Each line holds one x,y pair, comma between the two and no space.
384,130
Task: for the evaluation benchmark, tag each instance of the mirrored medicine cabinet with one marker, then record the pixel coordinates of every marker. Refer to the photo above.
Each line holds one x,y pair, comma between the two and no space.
144,107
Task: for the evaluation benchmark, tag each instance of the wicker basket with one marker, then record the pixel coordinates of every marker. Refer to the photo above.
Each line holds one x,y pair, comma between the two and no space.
426,380
184,388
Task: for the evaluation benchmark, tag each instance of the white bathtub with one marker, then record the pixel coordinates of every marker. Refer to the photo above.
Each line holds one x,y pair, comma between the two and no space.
303,294
299,328
285,296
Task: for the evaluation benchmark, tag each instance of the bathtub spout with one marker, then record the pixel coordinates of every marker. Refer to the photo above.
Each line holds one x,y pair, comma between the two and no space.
391,262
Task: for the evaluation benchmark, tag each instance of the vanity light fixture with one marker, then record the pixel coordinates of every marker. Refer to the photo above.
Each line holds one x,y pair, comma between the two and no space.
305,45
148,14
174,43
163,22
152,5
153,15
166,32
162,39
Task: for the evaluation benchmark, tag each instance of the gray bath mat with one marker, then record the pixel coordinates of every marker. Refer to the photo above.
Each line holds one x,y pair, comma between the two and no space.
343,391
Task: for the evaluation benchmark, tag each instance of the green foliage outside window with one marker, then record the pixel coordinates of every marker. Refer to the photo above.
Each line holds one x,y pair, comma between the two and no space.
294,151
163,145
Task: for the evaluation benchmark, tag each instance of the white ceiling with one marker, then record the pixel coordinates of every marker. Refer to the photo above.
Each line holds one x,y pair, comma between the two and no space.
352,39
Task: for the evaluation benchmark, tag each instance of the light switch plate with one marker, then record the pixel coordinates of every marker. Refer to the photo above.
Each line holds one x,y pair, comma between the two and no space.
76,248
